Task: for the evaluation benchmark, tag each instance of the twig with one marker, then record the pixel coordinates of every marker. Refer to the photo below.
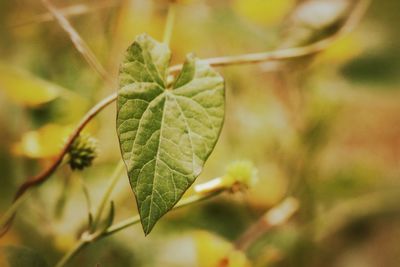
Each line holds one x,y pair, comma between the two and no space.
291,53
284,54
45,174
67,257
74,10
274,217
78,42
88,238
40,178
169,25
113,182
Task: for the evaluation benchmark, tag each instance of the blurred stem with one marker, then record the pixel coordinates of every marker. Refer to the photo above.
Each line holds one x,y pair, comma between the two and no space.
276,216
67,257
112,183
77,41
86,194
61,157
88,238
62,199
135,219
9,214
169,25
291,53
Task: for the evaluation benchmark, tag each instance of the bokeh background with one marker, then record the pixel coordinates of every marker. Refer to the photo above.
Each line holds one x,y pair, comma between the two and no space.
324,129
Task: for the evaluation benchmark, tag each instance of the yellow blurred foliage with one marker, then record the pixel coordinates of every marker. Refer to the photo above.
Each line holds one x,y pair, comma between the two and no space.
64,242
43,143
213,251
270,188
341,51
26,89
262,11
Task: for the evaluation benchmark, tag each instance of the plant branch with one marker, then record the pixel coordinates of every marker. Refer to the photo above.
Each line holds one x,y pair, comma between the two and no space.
78,42
113,182
69,11
46,173
42,177
169,25
135,219
277,216
291,53
67,257
11,211
88,238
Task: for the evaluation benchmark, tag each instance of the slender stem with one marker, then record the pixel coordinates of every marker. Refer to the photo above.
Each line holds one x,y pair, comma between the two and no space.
11,211
87,238
113,182
43,176
67,257
77,41
290,53
135,219
276,216
69,11
86,194
169,25
60,158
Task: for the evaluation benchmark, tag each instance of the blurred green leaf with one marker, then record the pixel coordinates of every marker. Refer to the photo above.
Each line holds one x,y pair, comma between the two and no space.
379,67
166,131
20,257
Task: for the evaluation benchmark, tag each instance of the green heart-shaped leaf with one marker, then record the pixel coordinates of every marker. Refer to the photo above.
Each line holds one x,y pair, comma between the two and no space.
166,131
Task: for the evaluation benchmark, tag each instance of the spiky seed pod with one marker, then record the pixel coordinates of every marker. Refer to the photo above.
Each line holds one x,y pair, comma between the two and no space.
82,152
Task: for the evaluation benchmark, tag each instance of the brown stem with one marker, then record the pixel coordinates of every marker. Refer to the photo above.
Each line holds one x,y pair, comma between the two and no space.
46,173
291,53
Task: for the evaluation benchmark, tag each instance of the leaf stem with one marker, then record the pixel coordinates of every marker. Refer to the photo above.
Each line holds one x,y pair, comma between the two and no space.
67,257
136,219
113,182
88,238
169,25
11,211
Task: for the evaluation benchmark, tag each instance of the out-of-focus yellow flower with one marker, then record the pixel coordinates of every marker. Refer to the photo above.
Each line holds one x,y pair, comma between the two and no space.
26,89
42,143
213,251
266,12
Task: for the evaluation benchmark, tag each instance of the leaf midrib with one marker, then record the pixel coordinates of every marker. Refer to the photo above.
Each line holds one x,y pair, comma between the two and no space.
165,94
